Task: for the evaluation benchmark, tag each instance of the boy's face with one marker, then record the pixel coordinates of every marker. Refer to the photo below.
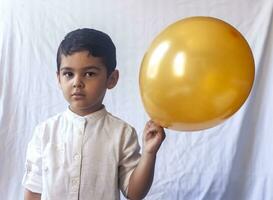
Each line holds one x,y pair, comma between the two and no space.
83,80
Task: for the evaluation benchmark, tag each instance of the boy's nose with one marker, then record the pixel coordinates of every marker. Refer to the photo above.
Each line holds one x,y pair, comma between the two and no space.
77,83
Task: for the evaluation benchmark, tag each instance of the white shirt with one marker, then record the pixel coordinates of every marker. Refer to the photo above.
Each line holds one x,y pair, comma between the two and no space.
72,157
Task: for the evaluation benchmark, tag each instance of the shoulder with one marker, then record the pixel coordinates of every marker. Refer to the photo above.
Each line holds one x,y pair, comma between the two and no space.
122,131
124,134
43,128
51,120
117,123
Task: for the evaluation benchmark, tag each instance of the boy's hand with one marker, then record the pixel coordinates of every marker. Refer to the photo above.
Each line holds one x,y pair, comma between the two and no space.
153,136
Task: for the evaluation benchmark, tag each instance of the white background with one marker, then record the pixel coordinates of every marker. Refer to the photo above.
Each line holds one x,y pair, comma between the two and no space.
232,161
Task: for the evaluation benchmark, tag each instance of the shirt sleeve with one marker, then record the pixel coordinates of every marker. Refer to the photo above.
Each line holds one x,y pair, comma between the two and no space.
32,179
129,159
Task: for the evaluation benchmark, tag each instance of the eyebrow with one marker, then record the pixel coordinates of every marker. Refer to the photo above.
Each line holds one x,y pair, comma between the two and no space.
84,68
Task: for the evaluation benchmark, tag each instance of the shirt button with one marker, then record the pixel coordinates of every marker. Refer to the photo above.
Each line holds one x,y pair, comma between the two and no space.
75,182
77,156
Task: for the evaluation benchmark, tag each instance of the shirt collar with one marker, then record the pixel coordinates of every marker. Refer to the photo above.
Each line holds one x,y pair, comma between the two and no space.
90,117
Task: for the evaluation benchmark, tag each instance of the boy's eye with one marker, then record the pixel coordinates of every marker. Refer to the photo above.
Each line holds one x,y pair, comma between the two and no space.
68,74
90,74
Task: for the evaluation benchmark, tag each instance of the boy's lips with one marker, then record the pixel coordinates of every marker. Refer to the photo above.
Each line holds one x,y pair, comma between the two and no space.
78,95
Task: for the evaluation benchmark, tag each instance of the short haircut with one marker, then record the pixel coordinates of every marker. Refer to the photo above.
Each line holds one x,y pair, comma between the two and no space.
97,43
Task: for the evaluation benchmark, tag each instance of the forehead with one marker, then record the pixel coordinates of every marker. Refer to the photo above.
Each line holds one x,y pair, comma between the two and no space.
79,60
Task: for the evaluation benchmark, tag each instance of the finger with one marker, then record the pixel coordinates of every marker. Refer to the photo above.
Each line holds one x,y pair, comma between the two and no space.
153,128
148,124
157,132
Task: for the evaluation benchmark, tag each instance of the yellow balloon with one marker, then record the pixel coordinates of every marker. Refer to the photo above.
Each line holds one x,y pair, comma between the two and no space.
197,73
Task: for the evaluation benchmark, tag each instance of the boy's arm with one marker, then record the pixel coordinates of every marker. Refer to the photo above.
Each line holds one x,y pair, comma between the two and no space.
32,180
31,195
142,176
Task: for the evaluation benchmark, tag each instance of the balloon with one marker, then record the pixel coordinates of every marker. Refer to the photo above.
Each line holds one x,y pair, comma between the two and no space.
196,73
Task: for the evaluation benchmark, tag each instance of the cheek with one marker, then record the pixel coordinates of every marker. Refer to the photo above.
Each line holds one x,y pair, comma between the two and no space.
97,89
65,86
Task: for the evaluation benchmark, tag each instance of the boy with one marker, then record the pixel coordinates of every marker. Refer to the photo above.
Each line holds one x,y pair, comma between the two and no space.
85,152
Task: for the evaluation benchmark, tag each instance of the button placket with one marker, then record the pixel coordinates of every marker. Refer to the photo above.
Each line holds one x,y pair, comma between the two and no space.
77,155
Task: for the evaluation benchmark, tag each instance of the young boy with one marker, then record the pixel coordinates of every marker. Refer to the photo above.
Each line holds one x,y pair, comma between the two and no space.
85,152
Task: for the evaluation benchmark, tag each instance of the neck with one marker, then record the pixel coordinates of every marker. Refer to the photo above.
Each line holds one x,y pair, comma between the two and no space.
84,112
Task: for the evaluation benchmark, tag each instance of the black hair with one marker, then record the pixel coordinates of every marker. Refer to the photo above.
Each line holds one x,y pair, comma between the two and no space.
97,43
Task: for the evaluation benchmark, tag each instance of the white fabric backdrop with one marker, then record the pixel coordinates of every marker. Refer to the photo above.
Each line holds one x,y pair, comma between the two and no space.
232,161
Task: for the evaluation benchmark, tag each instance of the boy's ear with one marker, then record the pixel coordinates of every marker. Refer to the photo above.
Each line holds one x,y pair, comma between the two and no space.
113,79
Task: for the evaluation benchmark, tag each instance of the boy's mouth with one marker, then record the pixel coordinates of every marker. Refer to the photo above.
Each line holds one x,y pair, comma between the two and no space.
77,94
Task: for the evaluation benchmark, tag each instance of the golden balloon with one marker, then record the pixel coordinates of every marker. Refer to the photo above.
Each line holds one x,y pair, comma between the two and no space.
196,73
